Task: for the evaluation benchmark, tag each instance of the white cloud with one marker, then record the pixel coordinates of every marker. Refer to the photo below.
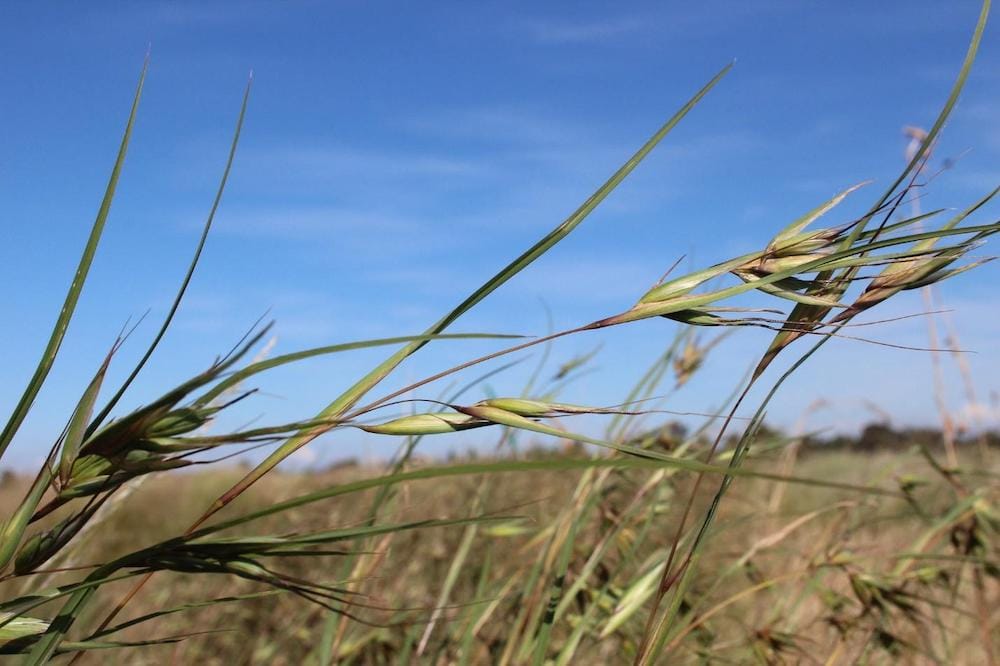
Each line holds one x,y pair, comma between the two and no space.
979,181
557,31
333,163
500,124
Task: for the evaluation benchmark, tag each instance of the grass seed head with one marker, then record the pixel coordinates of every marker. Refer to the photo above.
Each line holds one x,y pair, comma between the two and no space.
688,361
697,317
181,421
778,264
16,629
683,285
520,406
903,275
40,547
424,424
803,243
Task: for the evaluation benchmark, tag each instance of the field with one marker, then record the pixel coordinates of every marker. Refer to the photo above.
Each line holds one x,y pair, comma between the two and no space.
808,575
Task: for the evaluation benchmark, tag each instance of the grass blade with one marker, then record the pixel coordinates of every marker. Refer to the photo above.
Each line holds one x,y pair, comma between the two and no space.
76,286
187,277
255,368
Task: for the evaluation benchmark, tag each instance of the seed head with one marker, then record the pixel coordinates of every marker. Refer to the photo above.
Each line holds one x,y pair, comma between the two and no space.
18,628
41,546
425,424
521,406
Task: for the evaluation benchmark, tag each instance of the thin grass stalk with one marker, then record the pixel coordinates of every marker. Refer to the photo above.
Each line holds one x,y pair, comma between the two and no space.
461,554
106,411
469,633
790,456
546,585
556,590
519,635
927,297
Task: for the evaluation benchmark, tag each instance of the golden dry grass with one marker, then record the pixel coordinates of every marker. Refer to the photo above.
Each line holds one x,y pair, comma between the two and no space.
777,605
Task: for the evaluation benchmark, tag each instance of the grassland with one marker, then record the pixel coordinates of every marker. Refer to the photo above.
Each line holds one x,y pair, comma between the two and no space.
823,575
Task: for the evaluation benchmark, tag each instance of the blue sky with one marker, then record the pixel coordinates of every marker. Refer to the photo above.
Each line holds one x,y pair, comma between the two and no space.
395,155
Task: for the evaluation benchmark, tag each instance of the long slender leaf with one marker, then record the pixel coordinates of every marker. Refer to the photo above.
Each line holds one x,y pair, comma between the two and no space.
181,609
187,276
267,364
76,286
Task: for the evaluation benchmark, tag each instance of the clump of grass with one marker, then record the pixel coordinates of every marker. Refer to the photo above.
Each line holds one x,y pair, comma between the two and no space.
617,569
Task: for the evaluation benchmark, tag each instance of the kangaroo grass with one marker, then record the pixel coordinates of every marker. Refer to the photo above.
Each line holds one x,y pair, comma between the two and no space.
600,571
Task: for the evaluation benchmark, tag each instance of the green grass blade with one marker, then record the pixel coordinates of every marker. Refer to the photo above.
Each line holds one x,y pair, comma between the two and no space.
180,609
48,643
261,366
801,223
469,632
76,431
454,569
555,593
67,647
187,277
13,608
15,524
76,286
949,105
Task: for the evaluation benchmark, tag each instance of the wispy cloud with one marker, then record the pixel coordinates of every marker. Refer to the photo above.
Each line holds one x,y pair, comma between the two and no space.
510,137
346,235
559,31
982,118
498,124
336,162
586,281
133,18
652,20
197,14
978,181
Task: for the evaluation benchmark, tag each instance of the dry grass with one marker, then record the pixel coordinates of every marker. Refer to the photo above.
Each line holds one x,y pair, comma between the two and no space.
777,605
